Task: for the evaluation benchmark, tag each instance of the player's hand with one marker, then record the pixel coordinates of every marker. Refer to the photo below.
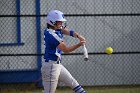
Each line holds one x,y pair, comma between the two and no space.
82,42
81,38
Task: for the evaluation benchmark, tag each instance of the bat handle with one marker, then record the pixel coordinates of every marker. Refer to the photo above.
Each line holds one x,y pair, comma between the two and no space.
85,53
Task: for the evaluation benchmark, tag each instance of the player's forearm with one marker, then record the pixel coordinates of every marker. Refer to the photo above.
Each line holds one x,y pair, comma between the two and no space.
72,48
68,49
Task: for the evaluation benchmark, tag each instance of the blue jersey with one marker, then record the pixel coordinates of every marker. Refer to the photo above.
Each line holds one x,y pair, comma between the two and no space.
52,39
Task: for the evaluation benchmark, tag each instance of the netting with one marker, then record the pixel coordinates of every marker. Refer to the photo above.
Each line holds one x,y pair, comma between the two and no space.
104,23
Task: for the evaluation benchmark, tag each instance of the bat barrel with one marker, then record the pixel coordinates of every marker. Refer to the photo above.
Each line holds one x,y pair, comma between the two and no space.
85,53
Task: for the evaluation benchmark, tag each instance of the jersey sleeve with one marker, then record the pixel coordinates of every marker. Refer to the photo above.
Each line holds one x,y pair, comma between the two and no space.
55,40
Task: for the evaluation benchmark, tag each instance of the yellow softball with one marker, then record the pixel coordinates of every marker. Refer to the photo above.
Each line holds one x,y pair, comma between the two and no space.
109,50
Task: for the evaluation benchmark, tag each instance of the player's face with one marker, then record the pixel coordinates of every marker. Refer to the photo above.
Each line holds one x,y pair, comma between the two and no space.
59,24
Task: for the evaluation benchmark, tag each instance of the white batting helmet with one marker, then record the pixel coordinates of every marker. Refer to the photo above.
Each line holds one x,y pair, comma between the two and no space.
55,15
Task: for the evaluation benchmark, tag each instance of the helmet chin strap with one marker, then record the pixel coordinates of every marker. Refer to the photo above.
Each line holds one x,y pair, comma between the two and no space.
64,25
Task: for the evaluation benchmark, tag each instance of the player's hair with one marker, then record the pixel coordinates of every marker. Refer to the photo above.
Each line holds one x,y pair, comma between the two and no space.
49,26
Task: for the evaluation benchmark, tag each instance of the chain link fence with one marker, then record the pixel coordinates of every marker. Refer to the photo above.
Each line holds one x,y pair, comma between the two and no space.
104,23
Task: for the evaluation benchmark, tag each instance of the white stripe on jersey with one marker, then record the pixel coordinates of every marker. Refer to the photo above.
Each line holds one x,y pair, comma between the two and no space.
57,53
52,32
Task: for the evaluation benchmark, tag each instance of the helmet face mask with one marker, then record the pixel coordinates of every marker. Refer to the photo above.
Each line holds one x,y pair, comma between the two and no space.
60,24
54,16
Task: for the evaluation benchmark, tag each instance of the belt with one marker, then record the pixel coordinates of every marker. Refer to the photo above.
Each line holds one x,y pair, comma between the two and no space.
56,62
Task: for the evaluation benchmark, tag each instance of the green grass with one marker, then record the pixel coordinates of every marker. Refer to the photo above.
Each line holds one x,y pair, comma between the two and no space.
31,88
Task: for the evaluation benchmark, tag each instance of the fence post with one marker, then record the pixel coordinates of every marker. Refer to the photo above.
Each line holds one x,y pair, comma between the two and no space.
38,40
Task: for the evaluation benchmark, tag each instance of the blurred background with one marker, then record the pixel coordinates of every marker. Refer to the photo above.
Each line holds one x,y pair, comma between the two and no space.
104,23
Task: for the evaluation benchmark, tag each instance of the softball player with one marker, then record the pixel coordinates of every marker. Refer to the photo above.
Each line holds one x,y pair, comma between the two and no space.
52,70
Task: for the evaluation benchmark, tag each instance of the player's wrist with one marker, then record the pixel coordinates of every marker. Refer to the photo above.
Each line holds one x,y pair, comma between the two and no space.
77,36
72,32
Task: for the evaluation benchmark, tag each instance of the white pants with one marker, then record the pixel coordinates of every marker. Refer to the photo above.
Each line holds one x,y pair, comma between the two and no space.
52,72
